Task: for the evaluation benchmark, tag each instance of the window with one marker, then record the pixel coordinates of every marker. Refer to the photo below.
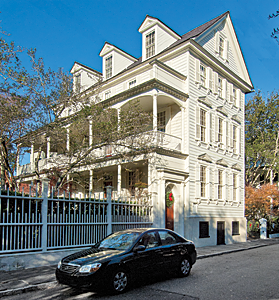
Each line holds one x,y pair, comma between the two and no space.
150,44
167,238
132,83
220,184
108,67
202,74
220,130
234,187
221,46
107,95
161,121
203,180
235,228
204,230
77,83
234,138
149,240
203,124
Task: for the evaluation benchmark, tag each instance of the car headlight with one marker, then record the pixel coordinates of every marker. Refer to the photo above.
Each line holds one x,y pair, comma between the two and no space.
59,265
90,268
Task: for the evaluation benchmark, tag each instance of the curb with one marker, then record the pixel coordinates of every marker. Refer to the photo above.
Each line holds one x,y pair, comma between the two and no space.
229,251
29,288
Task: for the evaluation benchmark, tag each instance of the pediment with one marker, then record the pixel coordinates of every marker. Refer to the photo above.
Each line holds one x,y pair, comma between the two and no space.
222,110
222,162
107,48
236,167
205,157
225,28
204,100
236,119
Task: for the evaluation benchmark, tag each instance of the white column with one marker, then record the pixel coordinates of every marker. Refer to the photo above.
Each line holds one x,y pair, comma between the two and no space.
32,156
17,160
118,118
182,129
119,180
68,139
90,132
48,147
155,112
91,182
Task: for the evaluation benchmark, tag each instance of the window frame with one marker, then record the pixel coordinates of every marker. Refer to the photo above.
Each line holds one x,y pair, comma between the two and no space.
108,66
220,184
161,121
150,44
204,233
235,228
203,170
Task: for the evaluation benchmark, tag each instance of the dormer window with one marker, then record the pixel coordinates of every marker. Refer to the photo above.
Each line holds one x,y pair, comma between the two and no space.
150,44
109,67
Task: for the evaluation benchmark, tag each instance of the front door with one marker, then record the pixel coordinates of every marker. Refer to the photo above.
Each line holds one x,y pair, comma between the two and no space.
220,233
169,218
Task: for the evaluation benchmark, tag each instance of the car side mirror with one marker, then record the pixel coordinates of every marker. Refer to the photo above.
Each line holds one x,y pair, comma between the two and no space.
139,248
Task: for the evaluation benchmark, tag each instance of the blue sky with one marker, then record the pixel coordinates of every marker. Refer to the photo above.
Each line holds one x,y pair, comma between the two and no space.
65,31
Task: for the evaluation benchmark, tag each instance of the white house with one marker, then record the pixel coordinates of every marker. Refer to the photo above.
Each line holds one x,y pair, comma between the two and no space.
195,86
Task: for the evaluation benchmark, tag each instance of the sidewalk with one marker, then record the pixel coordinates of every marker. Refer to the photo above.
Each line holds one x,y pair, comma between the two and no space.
24,280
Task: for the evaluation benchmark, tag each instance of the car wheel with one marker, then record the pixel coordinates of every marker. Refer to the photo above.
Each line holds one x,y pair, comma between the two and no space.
119,282
184,267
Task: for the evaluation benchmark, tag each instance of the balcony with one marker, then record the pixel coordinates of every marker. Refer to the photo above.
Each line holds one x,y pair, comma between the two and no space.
147,140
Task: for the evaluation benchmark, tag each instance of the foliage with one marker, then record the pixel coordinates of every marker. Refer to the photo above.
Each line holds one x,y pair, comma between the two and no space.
169,199
275,31
261,202
262,139
31,96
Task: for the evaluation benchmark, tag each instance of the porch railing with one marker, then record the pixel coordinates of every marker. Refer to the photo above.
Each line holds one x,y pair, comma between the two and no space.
40,223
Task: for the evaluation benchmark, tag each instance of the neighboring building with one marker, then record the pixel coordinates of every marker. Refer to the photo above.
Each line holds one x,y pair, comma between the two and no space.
195,85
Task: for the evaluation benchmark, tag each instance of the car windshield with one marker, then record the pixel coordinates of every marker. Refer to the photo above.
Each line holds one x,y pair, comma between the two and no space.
119,241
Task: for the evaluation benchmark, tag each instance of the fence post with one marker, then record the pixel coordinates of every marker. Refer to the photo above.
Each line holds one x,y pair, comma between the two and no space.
44,213
109,218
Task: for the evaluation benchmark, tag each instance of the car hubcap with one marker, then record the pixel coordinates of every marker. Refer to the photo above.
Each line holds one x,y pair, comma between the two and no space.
185,266
120,281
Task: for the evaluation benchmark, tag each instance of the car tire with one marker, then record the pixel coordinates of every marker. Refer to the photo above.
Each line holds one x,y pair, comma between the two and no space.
119,282
184,267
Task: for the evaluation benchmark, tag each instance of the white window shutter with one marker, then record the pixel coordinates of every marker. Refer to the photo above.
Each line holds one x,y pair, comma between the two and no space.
238,97
198,184
198,131
231,135
231,92
239,140
227,134
197,70
224,92
216,128
215,83
211,138
210,78
226,49
217,41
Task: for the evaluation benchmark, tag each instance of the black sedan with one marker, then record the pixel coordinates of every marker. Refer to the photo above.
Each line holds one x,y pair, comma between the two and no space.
124,256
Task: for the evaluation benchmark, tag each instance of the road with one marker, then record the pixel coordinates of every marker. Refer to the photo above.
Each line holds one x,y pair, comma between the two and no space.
251,274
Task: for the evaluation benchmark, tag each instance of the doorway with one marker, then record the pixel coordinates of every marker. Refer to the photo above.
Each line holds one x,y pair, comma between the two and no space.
220,233
169,208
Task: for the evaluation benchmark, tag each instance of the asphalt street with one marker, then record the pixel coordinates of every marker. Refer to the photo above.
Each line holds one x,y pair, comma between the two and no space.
251,274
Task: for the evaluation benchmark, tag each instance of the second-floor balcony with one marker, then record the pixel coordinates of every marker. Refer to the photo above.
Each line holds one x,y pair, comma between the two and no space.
147,141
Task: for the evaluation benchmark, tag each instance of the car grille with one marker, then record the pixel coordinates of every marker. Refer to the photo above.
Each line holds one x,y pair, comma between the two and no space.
69,268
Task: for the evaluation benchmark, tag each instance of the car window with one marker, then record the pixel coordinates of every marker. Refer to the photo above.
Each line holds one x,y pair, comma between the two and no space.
167,238
149,240
119,241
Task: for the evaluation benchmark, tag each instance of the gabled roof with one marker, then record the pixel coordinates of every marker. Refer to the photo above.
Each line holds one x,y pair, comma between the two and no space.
109,47
155,20
86,67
